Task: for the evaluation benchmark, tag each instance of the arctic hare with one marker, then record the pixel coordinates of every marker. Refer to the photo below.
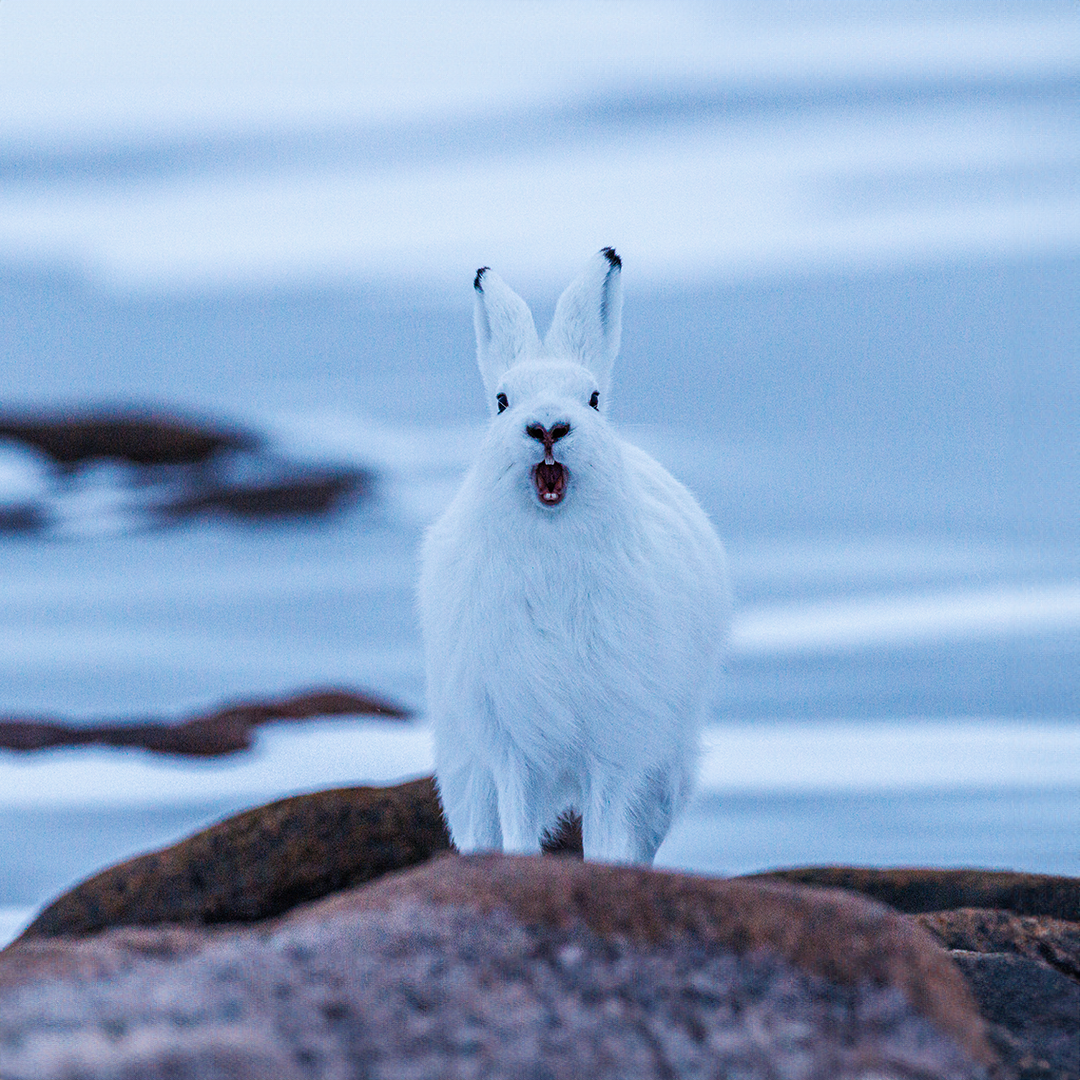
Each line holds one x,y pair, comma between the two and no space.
573,598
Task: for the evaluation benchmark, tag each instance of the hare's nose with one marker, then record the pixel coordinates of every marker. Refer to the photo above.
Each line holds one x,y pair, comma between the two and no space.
541,434
548,438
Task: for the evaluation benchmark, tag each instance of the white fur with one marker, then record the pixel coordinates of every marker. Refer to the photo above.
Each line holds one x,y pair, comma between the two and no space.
572,649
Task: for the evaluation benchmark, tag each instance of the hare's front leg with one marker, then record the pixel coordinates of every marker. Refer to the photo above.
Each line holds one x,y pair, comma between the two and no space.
471,805
520,805
626,820
606,828
659,796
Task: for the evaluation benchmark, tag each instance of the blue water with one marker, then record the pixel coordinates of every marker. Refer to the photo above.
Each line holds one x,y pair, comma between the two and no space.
851,327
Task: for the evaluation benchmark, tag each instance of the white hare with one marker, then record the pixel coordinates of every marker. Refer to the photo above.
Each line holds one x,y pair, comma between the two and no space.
573,598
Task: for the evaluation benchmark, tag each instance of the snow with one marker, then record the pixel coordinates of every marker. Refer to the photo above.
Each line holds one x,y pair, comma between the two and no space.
244,208
867,621
770,757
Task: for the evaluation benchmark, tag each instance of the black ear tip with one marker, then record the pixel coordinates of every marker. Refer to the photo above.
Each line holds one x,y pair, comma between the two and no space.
609,254
477,282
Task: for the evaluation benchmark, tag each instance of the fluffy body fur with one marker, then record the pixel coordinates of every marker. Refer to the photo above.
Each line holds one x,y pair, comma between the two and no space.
574,644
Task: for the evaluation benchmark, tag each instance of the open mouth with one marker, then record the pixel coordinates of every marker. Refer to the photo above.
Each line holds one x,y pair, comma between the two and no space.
550,480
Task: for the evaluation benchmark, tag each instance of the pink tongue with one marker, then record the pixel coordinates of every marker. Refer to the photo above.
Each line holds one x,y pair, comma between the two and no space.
550,482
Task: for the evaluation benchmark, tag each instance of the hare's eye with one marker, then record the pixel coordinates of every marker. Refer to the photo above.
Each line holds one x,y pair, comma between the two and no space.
594,401
501,399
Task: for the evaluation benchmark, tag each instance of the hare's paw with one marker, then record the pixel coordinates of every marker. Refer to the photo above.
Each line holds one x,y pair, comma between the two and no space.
606,825
523,808
657,800
471,807
626,821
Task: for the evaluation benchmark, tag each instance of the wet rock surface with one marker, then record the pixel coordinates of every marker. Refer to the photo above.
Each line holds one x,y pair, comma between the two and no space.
114,470
221,731
504,967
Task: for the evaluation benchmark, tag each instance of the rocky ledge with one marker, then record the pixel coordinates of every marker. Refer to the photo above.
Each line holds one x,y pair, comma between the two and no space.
225,730
336,934
102,470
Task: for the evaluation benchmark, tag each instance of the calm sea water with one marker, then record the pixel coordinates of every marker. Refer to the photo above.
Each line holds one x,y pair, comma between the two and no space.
850,327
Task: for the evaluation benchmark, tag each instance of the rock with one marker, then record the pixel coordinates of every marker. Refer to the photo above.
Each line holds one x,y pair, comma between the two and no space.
312,491
309,703
141,438
259,863
505,966
1025,973
257,867
23,518
1015,936
1033,1012
224,731
917,890
198,737
1049,941
841,938
172,468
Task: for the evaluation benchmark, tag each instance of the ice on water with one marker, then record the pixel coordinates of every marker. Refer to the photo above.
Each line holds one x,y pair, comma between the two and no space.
850,237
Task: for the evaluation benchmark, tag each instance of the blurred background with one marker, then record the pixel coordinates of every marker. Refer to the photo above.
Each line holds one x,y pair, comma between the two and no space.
851,244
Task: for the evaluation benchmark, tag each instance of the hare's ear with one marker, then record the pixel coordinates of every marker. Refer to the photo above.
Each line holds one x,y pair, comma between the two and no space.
505,332
588,318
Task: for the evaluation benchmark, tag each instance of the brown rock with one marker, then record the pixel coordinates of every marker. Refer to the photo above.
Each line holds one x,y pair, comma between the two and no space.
259,863
263,861
506,967
306,492
102,957
309,703
916,890
224,731
1033,1013
1025,973
1049,941
185,466
142,438
1015,937
204,736
23,518
825,932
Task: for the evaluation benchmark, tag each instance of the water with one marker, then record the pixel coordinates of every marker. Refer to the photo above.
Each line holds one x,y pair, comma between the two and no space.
851,241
